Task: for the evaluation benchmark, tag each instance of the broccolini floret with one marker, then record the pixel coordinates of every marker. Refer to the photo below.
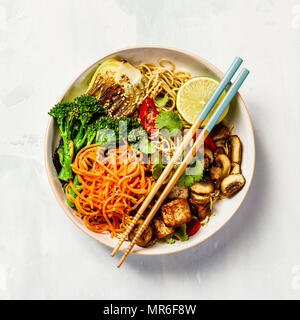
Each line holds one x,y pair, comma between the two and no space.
65,114
84,122
107,130
88,109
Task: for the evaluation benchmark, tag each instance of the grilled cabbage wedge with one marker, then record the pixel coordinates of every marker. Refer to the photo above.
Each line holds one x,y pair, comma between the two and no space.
118,86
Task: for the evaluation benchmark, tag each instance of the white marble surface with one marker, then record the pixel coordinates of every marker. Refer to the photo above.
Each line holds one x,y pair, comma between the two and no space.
44,44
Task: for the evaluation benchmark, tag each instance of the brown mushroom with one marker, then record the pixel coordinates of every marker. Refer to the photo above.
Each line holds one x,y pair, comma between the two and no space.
232,184
235,168
202,210
221,168
220,143
219,150
208,158
234,149
203,187
220,131
199,198
215,173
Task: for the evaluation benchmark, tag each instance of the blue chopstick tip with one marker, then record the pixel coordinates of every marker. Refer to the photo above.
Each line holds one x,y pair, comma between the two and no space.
245,72
238,59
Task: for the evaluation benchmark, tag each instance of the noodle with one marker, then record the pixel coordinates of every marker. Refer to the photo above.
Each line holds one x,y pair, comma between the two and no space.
163,79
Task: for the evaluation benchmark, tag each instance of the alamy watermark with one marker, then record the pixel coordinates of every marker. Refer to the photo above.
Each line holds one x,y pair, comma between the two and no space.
155,147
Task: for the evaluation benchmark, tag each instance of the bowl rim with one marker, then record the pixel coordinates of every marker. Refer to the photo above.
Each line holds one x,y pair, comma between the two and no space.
52,179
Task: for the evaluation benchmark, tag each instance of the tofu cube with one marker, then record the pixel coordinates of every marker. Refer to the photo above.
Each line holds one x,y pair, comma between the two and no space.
178,192
160,229
145,237
176,212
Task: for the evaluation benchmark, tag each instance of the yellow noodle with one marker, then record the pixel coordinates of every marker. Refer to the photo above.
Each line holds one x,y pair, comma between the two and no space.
161,79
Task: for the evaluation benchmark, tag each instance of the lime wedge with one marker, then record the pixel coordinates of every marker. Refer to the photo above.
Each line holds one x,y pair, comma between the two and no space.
193,95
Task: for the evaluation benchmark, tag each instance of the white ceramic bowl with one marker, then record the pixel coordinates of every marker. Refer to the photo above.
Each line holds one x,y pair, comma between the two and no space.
238,116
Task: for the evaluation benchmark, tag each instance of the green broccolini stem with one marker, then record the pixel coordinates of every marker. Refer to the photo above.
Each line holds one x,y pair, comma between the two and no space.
66,172
72,192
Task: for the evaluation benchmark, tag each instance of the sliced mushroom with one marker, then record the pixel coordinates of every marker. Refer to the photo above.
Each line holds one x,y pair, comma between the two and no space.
219,150
202,187
215,173
220,131
220,143
234,149
222,167
208,158
235,168
202,210
199,199
232,184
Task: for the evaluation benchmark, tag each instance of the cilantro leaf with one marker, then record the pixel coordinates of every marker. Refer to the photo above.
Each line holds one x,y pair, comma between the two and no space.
191,175
169,239
161,101
157,166
179,233
169,121
185,181
157,169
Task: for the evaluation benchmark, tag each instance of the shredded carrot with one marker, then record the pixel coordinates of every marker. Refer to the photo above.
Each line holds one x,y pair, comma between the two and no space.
113,184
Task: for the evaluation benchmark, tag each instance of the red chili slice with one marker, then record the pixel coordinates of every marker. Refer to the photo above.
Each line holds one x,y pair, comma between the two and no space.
147,113
208,143
193,227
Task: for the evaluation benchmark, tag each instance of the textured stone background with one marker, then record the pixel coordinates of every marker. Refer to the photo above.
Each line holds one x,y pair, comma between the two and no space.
44,44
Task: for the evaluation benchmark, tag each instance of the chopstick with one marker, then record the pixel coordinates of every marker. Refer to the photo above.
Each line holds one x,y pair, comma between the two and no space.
199,141
178,153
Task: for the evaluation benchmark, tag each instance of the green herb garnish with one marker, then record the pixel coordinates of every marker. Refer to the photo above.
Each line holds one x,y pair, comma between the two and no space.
191,174
169,122
161,101
179,233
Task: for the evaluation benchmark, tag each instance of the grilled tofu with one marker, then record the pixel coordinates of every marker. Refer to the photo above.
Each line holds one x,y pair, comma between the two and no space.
176,212
145,237
178,192
160,229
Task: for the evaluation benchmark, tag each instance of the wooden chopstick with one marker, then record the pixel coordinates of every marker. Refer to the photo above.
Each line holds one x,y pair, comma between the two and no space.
179,151
191,153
